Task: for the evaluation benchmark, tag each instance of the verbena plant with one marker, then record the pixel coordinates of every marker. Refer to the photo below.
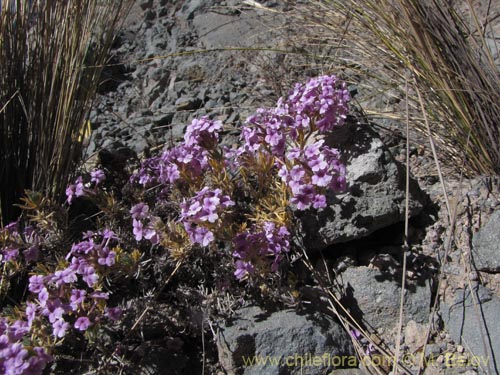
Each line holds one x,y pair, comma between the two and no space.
237,203
51,57
438,47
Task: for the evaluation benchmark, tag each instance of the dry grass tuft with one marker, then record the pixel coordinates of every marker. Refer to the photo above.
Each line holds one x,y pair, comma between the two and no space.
440,44
49,51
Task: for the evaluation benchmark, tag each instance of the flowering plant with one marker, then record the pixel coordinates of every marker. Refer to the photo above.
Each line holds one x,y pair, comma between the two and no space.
195,195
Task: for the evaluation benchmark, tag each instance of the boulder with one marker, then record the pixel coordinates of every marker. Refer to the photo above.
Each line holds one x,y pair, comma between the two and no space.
485,245
375,196
476,326
283,342
373,297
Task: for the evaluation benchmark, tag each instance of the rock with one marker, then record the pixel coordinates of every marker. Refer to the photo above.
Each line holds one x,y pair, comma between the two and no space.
375,197
287,337
220,30
149,15
373,297
468,324
162,119
190,8
432,350
485,245
147,4
187,103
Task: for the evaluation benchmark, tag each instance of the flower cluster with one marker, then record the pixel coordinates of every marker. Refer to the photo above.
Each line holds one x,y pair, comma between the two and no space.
285,142
263,247
203,132
144,224
14,240
69,296
15,358
78,188
309,171
266,131
319,104
201,212
283,160
308,168
58,296
187,160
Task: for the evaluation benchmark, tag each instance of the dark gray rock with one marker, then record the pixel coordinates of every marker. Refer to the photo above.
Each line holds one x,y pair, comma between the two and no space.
288,337
220,30
192,7
188,103
476,326
373,297
486,245
149,15
375,197
147,4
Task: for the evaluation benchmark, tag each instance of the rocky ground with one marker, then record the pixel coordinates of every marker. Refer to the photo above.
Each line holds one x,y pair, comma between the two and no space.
168,67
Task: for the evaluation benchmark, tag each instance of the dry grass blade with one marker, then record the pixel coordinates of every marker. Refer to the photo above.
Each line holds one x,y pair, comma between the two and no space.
384,42
45,50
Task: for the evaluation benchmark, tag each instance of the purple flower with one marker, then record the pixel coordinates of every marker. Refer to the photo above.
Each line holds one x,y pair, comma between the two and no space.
206,206
66,276
189,160
14,359
83,247
43,297
77,298
321,178
79,189
297,173
17,330
140,211
243,269
108,234
89,276
203,132
56,314
59,328
70,193
106,257
36,283
10,254
294,153
75,190
199,235
113,313
31,253
82,323
97,176
151,235
260,246
319,201
138,229
31,311
38,361
140,232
